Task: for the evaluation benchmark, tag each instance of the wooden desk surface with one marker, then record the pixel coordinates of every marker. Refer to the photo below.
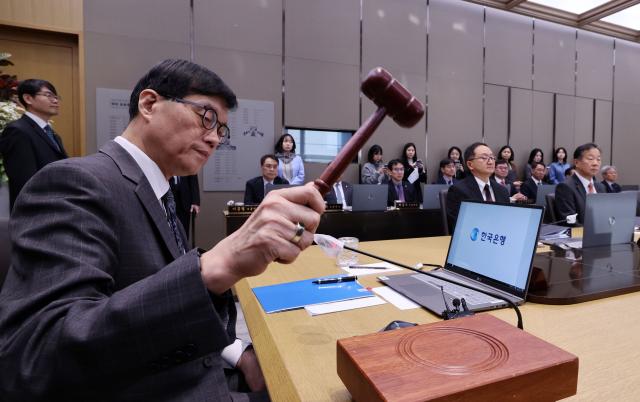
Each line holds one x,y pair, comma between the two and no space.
298,352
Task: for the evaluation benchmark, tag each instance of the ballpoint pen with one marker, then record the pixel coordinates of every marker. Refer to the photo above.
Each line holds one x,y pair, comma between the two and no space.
335,280
366,267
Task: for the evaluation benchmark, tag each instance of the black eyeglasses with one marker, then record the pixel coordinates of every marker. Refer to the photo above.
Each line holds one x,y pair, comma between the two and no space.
209,117
50,95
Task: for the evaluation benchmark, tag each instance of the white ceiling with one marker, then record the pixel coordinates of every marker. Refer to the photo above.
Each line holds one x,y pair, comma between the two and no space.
619,18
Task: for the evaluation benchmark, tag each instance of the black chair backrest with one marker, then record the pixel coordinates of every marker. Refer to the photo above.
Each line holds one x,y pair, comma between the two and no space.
551,206
443,211
5,249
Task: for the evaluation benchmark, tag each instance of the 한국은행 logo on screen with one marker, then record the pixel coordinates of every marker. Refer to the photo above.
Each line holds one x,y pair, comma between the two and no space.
474,234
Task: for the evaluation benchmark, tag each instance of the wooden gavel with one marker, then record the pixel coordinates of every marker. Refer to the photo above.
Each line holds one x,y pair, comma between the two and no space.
392,99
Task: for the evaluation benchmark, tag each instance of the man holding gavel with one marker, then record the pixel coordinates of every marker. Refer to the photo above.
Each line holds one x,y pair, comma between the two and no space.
104,300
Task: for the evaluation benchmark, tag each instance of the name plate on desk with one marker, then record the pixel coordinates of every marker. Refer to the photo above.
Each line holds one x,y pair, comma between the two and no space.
241,209
406,205
333,207
479,358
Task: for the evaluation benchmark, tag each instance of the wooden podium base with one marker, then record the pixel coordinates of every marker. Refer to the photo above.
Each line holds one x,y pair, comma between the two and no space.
478,358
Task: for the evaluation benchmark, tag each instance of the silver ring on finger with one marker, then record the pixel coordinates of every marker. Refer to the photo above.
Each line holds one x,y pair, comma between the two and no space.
299,232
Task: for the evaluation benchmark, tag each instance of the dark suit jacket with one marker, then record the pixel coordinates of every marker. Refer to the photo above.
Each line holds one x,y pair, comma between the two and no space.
98,304
467,189
529,189
347,190
614,188
25,149
186,194
409,190
442,181
571,197
254,189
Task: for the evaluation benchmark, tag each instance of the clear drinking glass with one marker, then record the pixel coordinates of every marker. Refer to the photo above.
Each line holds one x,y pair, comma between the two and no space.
348,257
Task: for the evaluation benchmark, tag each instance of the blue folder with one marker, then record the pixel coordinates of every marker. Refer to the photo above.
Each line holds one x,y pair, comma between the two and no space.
293,295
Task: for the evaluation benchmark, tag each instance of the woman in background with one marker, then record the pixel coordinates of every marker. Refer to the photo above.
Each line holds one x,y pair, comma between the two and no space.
411,162
455,154
374,171
290,166
536,155
506,153
558,166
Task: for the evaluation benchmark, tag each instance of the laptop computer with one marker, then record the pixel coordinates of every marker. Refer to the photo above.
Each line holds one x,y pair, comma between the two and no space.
492,248
543,190
609,219
369,197
431,195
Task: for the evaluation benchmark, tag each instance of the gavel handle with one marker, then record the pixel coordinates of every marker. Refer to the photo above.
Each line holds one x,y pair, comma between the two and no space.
335,169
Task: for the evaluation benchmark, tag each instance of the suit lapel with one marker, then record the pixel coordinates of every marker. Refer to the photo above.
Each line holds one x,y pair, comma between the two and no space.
144,192
39,132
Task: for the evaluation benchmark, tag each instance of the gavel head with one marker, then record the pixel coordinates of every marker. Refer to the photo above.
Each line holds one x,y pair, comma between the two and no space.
385,91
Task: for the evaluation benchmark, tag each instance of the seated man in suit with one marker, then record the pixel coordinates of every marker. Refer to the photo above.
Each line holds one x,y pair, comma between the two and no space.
502,176
572,194
530,186
609,177
399,189
29,143
102,291
256,188
478,185
341,193
447,172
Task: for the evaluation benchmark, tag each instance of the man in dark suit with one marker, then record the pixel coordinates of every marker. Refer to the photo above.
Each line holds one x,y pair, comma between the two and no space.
256,188
477,186
609,178
530,186
341,193
400,190
29,143
186,191
447,172
102,292
572,194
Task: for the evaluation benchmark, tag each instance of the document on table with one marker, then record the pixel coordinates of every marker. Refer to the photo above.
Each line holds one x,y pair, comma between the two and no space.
364,271
395,298
317,309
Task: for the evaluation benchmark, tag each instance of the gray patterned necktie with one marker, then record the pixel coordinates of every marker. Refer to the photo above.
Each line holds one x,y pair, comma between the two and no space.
172,220
52,137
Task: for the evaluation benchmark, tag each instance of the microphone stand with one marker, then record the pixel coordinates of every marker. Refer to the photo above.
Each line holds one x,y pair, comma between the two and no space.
494,295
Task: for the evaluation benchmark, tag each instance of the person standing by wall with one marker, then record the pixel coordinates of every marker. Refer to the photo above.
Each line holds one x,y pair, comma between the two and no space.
29,143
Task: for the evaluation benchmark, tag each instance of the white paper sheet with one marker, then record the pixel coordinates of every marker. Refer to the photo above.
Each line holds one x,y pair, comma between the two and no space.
395,298
325,308
364,271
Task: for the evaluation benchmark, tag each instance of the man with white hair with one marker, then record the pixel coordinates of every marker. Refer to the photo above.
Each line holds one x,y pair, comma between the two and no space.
609,176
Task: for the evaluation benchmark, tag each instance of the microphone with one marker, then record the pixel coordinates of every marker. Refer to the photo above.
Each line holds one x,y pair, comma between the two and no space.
570,219
491,294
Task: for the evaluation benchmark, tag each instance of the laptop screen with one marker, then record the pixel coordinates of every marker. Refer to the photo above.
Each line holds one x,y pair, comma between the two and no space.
495,244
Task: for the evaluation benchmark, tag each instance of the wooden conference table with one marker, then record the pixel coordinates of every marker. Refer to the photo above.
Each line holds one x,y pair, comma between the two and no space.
298,352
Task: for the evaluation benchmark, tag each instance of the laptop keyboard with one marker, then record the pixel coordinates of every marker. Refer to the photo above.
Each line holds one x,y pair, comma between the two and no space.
455,291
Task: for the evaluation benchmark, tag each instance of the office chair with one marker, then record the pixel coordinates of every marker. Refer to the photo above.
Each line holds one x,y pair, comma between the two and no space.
443,211
551,206
5,249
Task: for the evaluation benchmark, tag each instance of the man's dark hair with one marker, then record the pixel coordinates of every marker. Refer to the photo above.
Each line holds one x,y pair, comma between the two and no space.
268,156
445,162
535,165
33,86
470,152
501,162
375,149
279,148
394,162
569,171
178,79
577,154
